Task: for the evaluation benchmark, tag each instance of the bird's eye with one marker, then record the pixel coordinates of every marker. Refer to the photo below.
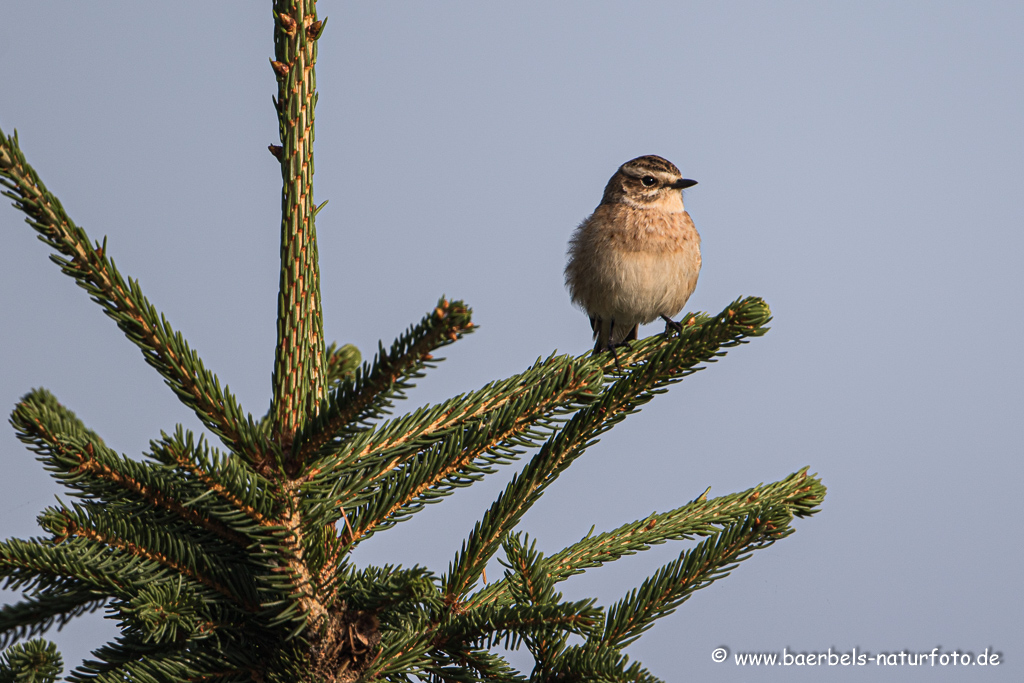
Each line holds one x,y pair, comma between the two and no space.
648,180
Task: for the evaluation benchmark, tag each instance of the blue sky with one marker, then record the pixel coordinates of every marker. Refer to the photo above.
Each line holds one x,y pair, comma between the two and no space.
860,167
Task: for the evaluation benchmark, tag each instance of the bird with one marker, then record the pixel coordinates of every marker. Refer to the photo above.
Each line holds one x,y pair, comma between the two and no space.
637,257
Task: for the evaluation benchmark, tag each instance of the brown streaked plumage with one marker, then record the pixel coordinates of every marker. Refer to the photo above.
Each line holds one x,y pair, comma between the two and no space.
637,257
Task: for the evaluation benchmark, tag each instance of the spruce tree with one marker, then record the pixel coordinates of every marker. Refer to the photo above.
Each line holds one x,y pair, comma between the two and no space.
230,561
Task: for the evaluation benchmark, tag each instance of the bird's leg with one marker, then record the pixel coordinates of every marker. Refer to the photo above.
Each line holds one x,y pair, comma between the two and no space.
612,345
671,324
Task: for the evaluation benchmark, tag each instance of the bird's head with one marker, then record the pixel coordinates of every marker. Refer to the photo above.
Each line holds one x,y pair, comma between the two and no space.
648,182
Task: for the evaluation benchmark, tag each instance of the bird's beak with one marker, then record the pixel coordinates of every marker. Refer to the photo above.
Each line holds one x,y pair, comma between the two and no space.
683,183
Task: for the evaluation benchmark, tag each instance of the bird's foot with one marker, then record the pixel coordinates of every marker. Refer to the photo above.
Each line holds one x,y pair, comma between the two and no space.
611,348
671,324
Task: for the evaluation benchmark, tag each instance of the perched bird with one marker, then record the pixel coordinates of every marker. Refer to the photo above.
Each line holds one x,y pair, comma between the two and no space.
637,257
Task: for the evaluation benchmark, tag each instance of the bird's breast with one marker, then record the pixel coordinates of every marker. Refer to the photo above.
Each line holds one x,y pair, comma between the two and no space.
650,231
634,265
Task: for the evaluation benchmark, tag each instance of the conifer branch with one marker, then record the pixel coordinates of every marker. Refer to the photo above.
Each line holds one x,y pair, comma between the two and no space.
371,392
407,652
37,613
652,365
528,573
470,664
508,624
82,462
528,576
589,663
671,585
378,589
300,364
94,271
342,363
73,529
130,659
372,455
464,455
39,564
196,556
226,477
799,493
36,661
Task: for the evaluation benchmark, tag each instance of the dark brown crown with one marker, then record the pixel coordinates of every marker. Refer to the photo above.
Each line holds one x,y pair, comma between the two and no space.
650,164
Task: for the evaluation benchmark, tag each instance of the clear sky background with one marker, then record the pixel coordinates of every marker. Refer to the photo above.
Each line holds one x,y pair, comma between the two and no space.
861,167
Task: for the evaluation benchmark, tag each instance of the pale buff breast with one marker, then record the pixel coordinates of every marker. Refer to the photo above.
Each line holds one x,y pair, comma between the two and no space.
633,265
